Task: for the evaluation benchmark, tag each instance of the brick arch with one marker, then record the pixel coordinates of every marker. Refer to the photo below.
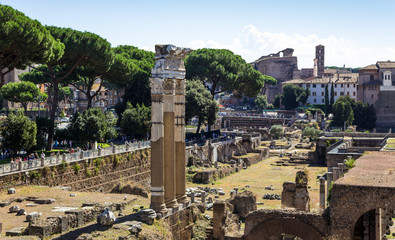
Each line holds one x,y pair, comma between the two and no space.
278,226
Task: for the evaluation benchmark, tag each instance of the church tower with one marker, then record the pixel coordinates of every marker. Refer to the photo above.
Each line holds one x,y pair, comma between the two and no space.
319,61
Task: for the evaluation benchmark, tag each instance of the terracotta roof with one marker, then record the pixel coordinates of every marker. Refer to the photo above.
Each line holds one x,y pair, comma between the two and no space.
375,169
386,64
337,78
370,67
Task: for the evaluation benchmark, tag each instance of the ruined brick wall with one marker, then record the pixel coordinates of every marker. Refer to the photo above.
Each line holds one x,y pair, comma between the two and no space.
88,175
266,223
348,203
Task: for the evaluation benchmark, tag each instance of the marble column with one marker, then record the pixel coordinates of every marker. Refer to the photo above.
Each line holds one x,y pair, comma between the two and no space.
179,105
169,143
157,147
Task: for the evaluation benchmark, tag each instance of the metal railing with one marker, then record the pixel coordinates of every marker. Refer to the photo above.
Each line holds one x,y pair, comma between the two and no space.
70,157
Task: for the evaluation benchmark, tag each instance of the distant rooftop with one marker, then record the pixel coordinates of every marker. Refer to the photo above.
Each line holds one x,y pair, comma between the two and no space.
347,78
386,64
374,169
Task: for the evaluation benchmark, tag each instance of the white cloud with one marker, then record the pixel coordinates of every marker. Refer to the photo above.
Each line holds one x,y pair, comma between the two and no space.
251,44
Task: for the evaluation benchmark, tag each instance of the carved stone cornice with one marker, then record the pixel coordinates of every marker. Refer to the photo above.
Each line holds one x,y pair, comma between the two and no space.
180,87
168,86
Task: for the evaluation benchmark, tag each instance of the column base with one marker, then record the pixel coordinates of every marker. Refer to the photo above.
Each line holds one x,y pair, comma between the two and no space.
172,204
159,208
182,199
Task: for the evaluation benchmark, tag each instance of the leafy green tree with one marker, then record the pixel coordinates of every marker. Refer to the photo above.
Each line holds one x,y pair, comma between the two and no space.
261,102
327,105
277,101
91,125
276,131
81,49
24,41
343,111
365,115
132,70
199,104
311,132
21,92
111,123
221,70
293,95
43,125
19,133
136,120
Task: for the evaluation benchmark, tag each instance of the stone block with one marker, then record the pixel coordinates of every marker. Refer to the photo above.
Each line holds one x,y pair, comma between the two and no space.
33,216
79,216
15,232
40,230
14,209
4,204
11,191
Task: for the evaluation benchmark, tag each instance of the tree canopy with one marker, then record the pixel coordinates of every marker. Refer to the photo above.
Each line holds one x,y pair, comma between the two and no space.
132,70
343,111
261,102
81,49
293,95
136,120
221,70
24,41
19,133
199,104
91,125
21,92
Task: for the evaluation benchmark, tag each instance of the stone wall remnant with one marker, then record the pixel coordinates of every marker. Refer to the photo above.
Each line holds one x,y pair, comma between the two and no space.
295,194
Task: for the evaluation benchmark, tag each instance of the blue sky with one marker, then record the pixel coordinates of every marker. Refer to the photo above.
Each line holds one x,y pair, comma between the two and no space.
355,33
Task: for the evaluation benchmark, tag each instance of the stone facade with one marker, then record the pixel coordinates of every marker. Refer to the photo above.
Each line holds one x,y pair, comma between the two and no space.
279,65
377,86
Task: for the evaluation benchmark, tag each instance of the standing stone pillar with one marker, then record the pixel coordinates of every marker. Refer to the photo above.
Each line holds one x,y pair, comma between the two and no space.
179,107
157,147
329,179
341,169
335,173
322,193
169,143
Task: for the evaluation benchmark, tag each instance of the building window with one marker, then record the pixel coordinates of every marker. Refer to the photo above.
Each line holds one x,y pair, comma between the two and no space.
322,100
322,93
341,93
335,85
341,85
314,93
371,77
354,84
348,93
314,86
315,100
353,93
372,96
308,85
335,93
348,85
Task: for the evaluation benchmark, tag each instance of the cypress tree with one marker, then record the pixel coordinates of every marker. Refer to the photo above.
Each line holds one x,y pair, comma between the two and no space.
332,100
327,109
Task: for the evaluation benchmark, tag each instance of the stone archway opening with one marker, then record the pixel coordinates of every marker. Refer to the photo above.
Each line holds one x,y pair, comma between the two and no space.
374,224
284,229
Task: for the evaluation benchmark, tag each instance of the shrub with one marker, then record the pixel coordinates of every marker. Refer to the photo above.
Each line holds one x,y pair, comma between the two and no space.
63,166
98,162
350,163
276,131
311,132
76,168
97,170
88,173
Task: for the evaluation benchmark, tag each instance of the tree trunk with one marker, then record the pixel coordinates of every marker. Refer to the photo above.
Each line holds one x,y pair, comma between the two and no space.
52,114
24,105
198,126
89,100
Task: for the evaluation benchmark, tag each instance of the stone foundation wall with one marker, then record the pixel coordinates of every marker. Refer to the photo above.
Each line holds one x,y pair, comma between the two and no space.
88,175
